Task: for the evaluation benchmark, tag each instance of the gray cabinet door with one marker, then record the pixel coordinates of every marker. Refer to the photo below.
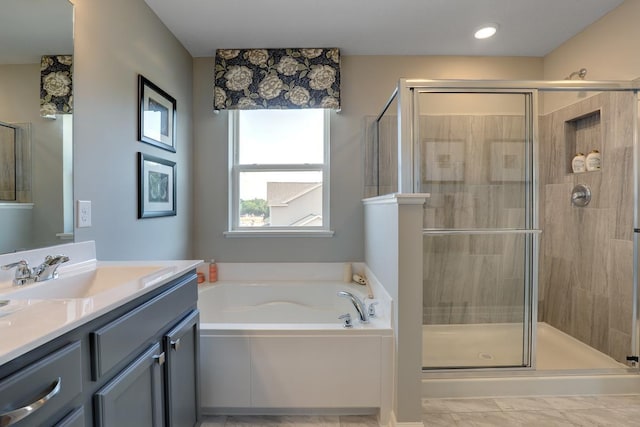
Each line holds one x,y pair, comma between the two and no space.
74,419
182,372
134,397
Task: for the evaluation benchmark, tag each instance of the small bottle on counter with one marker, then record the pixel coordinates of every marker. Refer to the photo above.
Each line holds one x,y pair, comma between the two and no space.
578,163
347,272
593,161
213,271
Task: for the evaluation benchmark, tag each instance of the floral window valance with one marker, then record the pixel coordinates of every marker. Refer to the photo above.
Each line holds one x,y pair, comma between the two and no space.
277,78
56,85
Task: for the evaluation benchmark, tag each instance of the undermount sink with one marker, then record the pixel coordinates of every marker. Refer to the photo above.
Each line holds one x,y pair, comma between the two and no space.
87,284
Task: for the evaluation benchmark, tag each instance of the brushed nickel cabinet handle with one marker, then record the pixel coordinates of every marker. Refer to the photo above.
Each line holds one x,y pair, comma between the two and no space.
12,417
159,360
175,345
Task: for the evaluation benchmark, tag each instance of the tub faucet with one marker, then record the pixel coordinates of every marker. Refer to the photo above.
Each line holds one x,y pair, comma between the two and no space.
359,305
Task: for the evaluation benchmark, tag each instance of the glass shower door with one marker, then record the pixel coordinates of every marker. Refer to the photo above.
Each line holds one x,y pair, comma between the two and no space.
474,153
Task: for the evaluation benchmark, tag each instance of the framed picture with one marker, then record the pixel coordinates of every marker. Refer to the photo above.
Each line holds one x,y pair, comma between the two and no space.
157,116
156,186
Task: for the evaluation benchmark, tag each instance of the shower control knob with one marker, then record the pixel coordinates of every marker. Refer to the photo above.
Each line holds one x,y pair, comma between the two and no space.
580,195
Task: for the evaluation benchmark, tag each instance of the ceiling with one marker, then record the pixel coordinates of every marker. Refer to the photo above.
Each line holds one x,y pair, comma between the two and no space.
380,27
32,28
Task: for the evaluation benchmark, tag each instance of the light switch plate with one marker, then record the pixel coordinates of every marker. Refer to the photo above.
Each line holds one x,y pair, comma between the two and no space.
84,213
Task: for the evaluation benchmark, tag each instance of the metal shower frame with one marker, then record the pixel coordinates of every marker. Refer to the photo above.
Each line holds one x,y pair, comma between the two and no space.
405,96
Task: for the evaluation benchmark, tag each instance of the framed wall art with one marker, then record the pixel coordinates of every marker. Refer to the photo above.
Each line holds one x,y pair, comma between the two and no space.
156,186
157,116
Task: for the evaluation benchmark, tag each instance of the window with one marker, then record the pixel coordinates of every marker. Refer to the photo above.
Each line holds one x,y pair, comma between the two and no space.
279,171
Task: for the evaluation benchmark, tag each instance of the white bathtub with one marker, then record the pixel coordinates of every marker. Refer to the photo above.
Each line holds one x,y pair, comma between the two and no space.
274,347
274,304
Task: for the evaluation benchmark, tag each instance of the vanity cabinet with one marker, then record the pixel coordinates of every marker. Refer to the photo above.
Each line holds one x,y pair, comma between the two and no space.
133,397
74,419
38,392
134,366
181,345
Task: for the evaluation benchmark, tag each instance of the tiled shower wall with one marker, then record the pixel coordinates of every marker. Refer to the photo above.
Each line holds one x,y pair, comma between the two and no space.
473,187
586,254
474,171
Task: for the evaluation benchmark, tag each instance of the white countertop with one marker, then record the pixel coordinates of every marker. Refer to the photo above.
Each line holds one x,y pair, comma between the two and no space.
30,322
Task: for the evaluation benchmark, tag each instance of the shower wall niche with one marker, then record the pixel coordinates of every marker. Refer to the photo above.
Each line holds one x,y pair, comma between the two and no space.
582,135
586,253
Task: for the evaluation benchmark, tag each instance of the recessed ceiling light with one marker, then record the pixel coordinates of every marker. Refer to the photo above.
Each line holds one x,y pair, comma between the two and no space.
486,31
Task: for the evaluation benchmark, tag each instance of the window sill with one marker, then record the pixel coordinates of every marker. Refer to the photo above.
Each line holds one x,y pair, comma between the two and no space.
278,233
16,205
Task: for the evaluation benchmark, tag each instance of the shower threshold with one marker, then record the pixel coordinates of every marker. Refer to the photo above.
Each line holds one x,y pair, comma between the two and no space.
565,366
487,345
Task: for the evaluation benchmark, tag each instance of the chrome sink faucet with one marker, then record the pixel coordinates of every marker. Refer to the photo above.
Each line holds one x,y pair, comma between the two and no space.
45,271
49,268
358,304
23,272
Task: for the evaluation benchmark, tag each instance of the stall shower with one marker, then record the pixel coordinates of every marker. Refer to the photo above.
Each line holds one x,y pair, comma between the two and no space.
515,276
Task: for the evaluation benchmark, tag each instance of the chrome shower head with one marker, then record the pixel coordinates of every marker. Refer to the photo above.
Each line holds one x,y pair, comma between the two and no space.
581,73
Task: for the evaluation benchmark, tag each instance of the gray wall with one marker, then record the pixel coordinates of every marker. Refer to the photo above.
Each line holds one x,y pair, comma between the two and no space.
17,236
367,83
211,184
115,41
608,49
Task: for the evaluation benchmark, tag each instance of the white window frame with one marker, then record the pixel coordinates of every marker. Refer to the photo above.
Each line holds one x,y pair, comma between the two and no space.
235,169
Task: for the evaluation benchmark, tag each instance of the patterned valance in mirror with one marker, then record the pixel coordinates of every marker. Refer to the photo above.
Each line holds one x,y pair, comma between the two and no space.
56,85
277,78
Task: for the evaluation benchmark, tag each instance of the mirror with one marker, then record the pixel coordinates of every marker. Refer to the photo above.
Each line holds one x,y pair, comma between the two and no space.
36,189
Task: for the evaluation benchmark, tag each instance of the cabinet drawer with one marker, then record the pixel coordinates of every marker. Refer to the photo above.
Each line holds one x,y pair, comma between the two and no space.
118,341
36,394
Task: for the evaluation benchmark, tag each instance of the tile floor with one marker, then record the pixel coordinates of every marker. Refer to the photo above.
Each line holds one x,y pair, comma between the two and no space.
550,411
547,411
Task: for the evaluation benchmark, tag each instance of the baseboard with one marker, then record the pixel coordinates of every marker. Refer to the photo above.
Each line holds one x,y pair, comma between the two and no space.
395,423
